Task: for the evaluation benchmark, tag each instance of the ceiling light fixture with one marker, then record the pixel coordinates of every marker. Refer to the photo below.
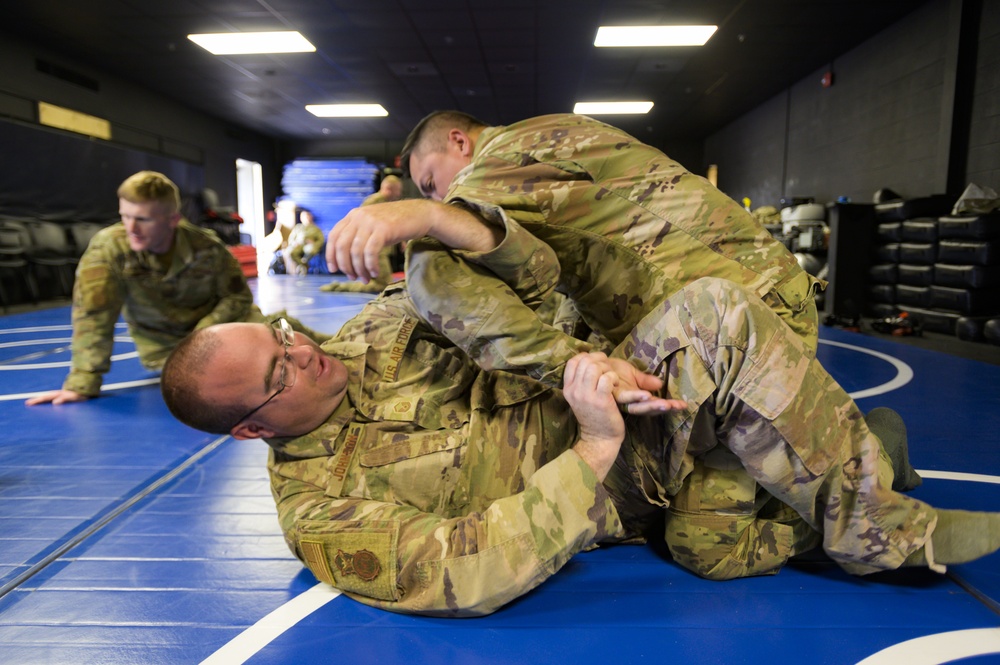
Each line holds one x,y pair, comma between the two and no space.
347,110
654,35
611,108
247,43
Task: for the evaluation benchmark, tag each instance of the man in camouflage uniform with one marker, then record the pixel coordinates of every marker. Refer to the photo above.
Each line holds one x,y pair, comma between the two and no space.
629,227
304,242
414,481
391,189
166,276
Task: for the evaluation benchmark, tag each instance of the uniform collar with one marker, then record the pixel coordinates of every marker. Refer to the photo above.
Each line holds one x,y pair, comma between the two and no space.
484,138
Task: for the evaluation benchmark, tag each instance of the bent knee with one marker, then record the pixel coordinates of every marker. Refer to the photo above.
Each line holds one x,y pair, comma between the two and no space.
725,547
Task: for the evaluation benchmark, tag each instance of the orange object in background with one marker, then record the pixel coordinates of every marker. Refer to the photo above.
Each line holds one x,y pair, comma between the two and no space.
247,257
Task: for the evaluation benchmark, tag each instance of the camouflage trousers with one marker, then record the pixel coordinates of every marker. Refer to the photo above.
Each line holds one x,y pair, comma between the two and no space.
771,457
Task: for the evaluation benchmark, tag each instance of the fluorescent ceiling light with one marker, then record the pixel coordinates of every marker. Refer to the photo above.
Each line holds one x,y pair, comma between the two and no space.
609,108
347,110
244,43
654,35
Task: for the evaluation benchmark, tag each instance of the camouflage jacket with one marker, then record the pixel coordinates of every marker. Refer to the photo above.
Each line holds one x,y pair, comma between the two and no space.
303,235
434,487
202,286
629,226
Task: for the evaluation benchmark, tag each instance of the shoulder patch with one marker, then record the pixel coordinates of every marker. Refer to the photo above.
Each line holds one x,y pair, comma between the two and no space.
354,556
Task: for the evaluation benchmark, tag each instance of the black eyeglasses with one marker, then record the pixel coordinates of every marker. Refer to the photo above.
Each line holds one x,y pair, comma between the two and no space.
286,373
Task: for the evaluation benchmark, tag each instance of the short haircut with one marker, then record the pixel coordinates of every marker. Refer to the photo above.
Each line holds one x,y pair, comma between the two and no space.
147,186
179,383
429,134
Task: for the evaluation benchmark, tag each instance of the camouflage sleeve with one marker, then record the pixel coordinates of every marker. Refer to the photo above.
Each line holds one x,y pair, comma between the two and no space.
400,559
235,299
315,235
98,295
485,302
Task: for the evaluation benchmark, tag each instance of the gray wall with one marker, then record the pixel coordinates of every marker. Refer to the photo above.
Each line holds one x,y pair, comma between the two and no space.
140,119
885,122
983,166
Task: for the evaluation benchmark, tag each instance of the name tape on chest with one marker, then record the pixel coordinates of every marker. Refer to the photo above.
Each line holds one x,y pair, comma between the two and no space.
398,348
338,473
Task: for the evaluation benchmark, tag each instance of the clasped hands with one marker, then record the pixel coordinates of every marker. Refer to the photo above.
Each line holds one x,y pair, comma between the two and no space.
599,389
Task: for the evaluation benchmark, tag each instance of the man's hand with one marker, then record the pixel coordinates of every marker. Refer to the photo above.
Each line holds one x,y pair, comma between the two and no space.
635,391
589,383
56,397
354,242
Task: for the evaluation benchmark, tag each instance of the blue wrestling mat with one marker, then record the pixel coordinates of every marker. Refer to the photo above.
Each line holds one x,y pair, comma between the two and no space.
126,537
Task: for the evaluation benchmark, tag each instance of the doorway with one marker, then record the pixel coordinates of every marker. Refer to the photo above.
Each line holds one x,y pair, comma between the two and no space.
250,206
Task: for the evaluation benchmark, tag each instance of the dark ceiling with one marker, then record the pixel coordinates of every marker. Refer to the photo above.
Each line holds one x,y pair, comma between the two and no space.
502,60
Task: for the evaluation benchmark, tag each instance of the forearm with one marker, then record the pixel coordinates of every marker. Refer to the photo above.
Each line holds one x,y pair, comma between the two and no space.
92,345
485,302
459,566
491,320
97,304
460,228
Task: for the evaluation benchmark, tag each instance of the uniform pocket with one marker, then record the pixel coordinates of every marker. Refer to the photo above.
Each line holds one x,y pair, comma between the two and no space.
419,468
787,387
798,291
412,446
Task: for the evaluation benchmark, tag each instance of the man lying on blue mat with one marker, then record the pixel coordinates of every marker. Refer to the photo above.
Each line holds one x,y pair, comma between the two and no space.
414,481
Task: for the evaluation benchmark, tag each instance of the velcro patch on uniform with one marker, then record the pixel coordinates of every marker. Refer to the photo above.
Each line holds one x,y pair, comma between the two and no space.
354,556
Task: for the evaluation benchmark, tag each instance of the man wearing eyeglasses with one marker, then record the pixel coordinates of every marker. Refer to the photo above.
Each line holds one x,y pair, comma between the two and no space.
416,482
164,275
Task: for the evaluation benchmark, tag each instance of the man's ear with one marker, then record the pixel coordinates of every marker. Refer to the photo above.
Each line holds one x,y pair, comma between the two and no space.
462,141
251,430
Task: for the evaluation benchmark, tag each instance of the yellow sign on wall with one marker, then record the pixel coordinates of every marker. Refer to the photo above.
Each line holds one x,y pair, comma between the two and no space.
73,121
